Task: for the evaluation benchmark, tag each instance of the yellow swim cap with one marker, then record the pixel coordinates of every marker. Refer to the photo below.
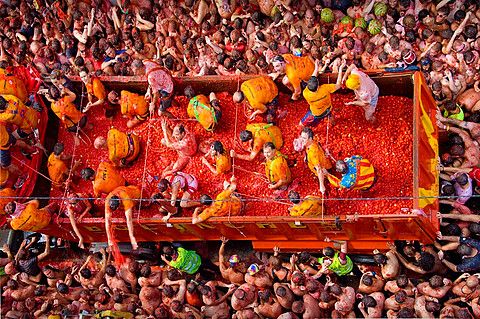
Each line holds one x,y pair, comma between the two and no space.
353,82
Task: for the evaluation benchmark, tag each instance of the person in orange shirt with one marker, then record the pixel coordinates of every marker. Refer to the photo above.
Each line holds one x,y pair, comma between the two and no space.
28,216
276,167
127,197
261,94
205,110
105,180
318,96
296,70
132,106
6,196
13,111
222,159
63,107
226,204
256,135
95,91
123,148
57,166
314,155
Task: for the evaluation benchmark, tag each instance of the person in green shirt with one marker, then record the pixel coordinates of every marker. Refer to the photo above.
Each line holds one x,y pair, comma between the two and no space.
336,261
185,260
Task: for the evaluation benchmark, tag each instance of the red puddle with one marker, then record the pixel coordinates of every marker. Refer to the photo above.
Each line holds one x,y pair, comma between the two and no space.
388,145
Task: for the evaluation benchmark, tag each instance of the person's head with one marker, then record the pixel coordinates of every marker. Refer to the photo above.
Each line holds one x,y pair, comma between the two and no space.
191,287
114,202
313,84
400,296
145,271
432,306
84,76
264,295
217,148
452,230
367,280
58,149
40,291
113,97
279,64
240,294
161,313
10,207
281,291
406,313
163,185
325,296
100,142
168,291
294,197
341,167
3,104
369,302
472,282
464,313
394,42
474,229
435,281
471,31
206,200
12,284
110,270
179,132
298,307
442,14
353,82
176,305
426,261
87,174
86,273
205,290
328,252
462,179
189,92
62,288
464,250
269,150
312,286
380,259
336,289
402,281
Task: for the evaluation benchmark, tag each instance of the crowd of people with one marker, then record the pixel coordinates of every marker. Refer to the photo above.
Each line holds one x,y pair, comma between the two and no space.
293,41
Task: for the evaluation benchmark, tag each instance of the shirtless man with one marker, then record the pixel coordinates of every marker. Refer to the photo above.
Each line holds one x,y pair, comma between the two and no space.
425,307
128,272
371,306
173,290
284,295
269,306
467,286
18,292
436,287
114,282
150,296
312,310
399,300
85,277
215,304
401,283
345,301
258,277
370,283
180,140
388,263
229,273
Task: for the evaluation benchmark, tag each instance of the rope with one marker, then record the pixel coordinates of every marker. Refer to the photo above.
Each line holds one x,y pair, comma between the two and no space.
33,169
144,168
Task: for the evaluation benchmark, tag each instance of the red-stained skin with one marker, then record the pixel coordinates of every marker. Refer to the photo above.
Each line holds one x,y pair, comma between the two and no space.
388,145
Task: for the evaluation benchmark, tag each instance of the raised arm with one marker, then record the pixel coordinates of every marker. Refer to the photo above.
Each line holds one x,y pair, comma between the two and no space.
46,252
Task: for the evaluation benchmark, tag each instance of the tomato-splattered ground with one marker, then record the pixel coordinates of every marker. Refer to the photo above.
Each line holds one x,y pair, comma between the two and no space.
388,145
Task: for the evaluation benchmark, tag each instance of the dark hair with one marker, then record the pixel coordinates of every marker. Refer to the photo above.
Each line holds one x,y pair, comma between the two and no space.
117,297
308,131
278,58
394,42
294,197
325,296
426,261
114,202
3,103
336,290
406,313
191,286
367,280
463,313
145,271
281,291
62,288
380,259
168,291
369,302
298,307
206,200
462,179
168,250
245,136
453,230
189,92
474,228
400,296
269,145
240,294
464,250
86,273
459,15
264,295
436,281
447,190
422,14
58,149
329,252
432,306
87,173
176,305
163,185
204,289
312,285
111,270
40,291
402,281
471,31
313,84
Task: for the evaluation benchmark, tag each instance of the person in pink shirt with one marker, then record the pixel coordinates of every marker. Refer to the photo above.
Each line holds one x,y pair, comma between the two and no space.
182,141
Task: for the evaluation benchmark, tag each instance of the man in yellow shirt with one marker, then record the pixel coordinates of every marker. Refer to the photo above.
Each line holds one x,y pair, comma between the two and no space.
132,106
310,206
256,135
296,70
105,180
28,216
276,167
123,148
318,96
205,110
57,166
314,155
261,94
222,159
127,197
96,93
226,204
13,111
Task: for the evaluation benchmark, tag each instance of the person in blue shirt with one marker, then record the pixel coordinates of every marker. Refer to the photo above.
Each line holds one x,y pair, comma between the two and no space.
467,248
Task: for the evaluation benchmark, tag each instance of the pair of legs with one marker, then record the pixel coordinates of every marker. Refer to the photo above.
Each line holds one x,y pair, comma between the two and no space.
108,228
